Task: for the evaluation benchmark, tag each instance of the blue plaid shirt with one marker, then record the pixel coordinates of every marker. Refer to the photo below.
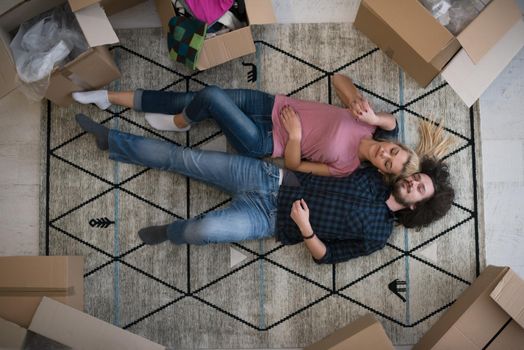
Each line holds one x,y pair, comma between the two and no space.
349,215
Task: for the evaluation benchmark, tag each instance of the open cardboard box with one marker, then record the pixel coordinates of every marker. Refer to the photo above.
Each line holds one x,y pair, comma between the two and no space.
79,330
91,70
487,315
24,280
228,46
407,32
364,333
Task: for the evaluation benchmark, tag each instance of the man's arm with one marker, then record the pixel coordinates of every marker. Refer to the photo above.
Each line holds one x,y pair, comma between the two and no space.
345,250
300,215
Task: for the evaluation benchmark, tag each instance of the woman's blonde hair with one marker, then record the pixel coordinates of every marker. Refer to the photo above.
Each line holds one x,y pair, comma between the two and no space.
433,142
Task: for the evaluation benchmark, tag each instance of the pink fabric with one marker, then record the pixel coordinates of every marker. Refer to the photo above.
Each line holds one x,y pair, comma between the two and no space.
209,10
330,134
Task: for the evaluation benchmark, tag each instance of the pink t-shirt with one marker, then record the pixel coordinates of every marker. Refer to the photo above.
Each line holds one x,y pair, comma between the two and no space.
330,134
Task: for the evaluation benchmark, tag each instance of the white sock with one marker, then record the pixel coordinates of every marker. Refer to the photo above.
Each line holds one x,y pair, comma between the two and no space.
164,122
98,97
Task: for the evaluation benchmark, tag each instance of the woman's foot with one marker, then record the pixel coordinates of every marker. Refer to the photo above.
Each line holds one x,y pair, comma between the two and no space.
98,97
100,132
153,234
166,122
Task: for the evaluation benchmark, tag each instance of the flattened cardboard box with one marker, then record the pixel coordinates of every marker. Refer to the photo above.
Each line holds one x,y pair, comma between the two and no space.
79,330
477,321
92,69
13,336
409,34
364,333
228,46
24,280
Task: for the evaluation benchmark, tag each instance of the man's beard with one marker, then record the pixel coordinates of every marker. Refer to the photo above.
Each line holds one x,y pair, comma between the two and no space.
397,194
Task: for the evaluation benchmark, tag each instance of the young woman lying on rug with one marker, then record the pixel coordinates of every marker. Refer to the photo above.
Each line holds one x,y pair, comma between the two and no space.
294,207
333,140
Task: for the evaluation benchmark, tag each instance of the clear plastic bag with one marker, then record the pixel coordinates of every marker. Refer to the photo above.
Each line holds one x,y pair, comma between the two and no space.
42,43
455,15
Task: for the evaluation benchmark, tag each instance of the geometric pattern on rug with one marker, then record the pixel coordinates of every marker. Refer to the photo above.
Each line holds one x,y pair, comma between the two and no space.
93,207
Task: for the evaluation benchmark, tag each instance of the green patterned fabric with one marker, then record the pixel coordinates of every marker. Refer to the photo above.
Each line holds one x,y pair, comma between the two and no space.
185,39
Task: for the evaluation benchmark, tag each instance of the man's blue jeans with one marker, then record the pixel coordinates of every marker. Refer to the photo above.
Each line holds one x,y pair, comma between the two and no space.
253,185
243,115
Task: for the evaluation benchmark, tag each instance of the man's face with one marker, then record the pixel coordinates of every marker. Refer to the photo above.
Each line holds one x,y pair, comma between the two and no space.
413,189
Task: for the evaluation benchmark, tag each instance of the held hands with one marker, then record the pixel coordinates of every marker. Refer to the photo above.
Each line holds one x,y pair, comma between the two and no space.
291,123
362,111
300,215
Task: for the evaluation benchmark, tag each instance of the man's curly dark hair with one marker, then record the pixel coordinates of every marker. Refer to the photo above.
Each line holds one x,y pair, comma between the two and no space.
436,206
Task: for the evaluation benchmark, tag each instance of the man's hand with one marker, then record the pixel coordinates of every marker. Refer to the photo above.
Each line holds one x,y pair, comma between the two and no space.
362,111
300,215
291,123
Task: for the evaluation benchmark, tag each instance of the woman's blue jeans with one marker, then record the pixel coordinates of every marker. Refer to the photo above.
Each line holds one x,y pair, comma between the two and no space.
252,183
243,115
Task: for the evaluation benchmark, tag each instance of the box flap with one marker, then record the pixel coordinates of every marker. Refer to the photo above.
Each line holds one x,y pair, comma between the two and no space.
11,335
7,5
8,75
112,7
488,28
25,11
165,11
396,47
78,330
96,26
447,328
470,80
34,273
364,333
509,294
260,11
414,24
511,337
226,47
80,4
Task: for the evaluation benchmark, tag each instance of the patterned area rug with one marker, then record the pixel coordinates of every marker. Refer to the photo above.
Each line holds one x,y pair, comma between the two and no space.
255,294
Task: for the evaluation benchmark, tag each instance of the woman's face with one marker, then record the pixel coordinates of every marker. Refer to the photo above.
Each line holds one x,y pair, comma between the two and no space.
388,157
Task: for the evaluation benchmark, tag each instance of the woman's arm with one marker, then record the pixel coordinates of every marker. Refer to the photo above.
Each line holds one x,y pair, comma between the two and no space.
348,93
300,215
292,151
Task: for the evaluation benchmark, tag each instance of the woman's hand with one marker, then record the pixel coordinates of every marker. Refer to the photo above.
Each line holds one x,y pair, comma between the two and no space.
291,123
300,215
362,111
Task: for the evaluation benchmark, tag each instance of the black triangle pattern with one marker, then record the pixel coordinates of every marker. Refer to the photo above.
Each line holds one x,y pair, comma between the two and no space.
330,291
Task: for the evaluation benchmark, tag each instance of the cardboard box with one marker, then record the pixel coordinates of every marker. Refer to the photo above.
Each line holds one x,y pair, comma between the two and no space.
364,333
478,320
228,46
409,34
91,70
13,336
24,280
78,330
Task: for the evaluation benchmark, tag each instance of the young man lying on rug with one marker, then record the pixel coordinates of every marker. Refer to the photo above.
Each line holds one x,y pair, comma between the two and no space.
312,137
337,218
